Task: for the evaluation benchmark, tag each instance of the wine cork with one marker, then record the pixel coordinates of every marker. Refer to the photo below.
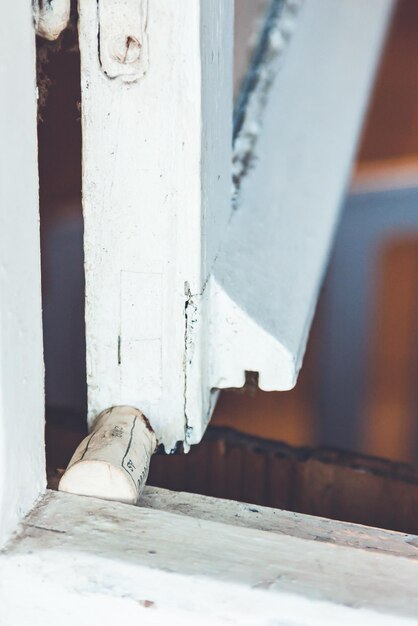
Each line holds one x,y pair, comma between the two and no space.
112,463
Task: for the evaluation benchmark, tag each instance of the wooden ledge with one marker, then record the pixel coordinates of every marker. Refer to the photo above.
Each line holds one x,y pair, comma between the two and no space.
185,557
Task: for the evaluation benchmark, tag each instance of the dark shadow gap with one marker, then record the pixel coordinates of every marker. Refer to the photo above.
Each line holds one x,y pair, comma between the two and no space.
61,225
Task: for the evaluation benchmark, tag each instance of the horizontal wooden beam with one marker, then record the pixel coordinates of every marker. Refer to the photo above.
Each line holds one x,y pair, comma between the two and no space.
186,558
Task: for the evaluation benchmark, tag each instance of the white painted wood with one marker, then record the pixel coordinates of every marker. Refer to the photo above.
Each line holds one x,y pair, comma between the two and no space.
156,198
51,17
21,366
267,276
123,40
112,463
286,523
170,561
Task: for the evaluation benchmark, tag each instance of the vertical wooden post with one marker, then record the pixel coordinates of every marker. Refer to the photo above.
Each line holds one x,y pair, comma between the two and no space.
22,472
157,127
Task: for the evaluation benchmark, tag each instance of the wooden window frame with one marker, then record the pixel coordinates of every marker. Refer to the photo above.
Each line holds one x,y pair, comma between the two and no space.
187,556
190,558
186,288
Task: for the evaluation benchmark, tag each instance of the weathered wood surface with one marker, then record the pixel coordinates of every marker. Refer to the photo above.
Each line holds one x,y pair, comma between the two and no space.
314,528
156,199
85,559
22,459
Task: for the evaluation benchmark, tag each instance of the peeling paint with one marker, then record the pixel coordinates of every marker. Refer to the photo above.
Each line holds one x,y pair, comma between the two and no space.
273,43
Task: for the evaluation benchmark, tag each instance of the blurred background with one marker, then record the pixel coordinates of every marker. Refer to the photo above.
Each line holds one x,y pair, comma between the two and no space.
358,387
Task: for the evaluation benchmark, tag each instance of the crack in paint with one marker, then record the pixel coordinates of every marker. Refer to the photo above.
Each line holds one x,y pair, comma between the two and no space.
273,42
50,530
187,340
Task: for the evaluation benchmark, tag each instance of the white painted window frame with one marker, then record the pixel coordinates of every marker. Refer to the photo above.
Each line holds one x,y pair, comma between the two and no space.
191,559
183,557
186,289
156,176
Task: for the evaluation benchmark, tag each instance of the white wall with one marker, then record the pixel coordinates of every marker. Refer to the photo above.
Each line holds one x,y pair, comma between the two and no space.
21,365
